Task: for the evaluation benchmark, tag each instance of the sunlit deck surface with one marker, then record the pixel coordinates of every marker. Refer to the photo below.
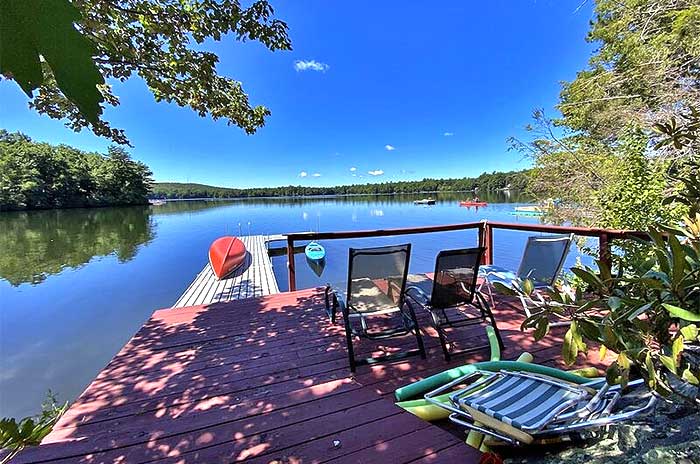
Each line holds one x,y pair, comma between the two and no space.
265,380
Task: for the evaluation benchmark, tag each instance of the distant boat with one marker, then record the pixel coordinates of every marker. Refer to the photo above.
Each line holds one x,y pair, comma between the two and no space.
424,201
473,203
529,208
315,251
156,202
226,255
526,213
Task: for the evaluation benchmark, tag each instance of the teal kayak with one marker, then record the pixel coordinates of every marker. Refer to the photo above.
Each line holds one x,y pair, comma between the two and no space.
315,251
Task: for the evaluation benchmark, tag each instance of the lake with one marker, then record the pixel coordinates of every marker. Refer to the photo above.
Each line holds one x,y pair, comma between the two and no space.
75,285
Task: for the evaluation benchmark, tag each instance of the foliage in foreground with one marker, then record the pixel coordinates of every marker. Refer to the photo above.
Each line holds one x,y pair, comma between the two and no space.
649,316
161,41
15,436
38,175
515,180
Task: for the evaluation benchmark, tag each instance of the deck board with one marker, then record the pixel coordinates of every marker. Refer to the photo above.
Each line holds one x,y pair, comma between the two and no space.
263,379
255,278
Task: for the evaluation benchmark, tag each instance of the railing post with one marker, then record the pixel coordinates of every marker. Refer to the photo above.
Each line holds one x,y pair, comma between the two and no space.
486,241
291,271
604,249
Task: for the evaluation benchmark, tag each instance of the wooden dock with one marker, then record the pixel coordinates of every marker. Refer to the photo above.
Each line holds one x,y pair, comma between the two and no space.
266,380
254,278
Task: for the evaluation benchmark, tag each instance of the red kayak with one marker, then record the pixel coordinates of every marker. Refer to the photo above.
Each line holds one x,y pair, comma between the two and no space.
226,254
473,203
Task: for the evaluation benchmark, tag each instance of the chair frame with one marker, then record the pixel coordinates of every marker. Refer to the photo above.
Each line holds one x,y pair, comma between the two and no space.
519,273
477,301
335,301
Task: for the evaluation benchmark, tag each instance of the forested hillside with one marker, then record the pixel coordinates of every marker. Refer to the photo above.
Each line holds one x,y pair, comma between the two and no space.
516,180
37,175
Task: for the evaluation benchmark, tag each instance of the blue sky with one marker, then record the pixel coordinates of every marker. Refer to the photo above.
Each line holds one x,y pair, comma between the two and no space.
396,90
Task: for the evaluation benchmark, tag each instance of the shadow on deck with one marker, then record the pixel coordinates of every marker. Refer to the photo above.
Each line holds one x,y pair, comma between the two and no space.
265,380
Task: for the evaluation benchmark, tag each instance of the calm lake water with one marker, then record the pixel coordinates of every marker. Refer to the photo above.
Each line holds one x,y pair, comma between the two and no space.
75,285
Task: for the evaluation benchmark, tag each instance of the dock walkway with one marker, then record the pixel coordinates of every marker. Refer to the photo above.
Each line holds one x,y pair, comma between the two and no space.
266,380
255,277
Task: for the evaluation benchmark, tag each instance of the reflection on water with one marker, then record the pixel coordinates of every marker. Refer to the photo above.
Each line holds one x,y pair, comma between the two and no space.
316,265
36,244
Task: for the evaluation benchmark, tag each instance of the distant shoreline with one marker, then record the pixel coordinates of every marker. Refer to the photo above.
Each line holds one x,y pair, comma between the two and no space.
336,195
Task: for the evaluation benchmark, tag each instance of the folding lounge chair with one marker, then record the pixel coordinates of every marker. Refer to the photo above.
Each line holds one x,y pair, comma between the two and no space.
542,262
453,287
523,408
376,287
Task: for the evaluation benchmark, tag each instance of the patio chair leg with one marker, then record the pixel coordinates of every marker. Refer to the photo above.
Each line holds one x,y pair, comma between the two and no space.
443,344
348,338
416,331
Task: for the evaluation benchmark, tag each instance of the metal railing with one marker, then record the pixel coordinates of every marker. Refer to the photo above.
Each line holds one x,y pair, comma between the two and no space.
485,231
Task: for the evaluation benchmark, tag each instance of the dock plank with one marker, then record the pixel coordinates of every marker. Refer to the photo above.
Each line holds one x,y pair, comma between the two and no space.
254,279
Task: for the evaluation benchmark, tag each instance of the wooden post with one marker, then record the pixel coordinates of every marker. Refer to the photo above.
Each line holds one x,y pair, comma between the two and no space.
486,241
604,249
291,271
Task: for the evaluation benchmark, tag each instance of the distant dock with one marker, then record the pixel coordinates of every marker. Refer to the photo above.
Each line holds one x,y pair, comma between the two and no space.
253,279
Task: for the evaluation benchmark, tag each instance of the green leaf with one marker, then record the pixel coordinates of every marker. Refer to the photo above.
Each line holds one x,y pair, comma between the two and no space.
649,364
677,348
669,362
588,277
623,361
678,259
504,289
32,30
682,313
690,332
571,345
542,329
528,286
689,377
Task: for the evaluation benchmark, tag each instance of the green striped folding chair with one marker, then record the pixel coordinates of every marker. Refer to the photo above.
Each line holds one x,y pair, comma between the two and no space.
520,408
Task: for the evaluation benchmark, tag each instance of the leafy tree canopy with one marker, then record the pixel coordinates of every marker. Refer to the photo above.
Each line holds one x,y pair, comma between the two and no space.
39,176
158,40
626,124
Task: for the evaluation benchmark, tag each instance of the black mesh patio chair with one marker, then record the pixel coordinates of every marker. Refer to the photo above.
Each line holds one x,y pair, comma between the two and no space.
376,287
542,262
453,287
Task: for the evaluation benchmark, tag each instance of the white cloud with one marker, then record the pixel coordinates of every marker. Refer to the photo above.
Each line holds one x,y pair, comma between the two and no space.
377,172
316,174
448,134
389,147
310,65
303,174
353,169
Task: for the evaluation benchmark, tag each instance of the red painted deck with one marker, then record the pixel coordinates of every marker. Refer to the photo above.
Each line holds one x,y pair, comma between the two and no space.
262,380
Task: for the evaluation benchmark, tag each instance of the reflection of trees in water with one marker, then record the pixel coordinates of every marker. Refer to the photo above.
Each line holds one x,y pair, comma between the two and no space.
36,244
191,206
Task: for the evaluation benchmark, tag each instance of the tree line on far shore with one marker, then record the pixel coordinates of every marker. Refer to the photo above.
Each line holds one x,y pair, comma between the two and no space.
514,180
37,175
